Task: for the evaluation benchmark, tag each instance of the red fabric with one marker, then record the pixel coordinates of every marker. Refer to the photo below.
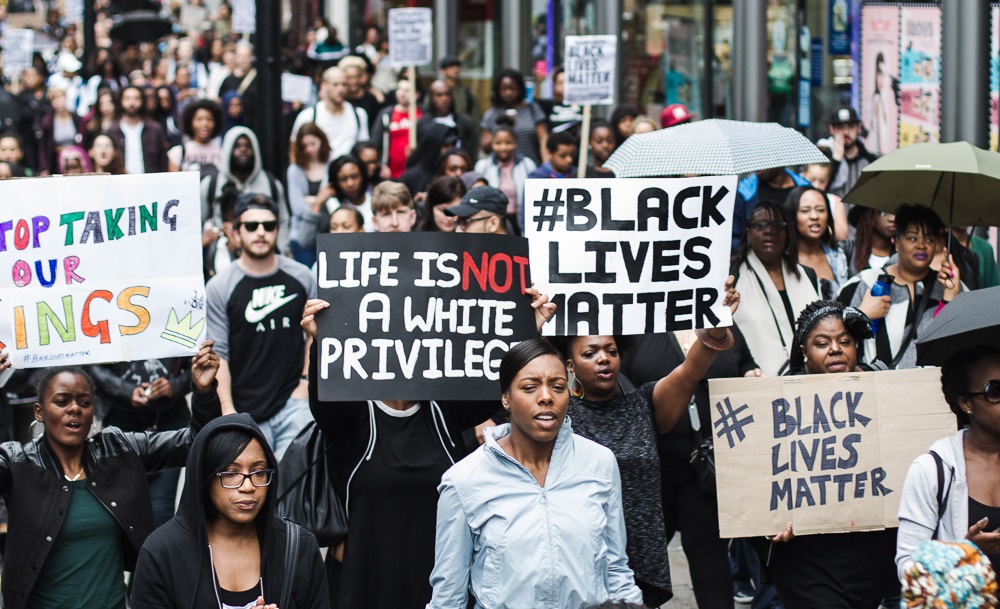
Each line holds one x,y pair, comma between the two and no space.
399,137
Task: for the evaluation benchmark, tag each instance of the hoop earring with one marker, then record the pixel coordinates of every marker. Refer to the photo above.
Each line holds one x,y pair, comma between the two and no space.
573,381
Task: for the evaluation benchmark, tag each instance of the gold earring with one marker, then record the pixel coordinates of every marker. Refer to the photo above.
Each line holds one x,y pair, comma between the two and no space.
573,381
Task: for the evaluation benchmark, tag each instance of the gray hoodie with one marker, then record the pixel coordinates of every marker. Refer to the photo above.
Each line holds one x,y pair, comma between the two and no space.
918,506
258,182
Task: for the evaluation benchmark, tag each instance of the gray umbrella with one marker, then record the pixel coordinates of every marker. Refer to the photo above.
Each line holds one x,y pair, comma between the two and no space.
971,320
715,147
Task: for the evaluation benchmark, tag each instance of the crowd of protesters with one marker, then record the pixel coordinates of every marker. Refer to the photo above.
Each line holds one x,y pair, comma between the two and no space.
603,427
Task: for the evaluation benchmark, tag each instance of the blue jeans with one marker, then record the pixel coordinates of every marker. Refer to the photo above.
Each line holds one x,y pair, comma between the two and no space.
162,492
282,428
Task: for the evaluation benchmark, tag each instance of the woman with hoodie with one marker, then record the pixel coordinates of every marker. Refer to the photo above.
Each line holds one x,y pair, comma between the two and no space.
423,162
387,458
225,547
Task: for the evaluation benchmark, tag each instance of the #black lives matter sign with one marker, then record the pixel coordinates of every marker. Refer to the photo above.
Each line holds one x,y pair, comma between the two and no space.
631,256
827,452
419,316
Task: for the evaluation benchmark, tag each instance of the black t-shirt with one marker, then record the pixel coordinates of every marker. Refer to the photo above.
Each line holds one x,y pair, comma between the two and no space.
370,104
254,322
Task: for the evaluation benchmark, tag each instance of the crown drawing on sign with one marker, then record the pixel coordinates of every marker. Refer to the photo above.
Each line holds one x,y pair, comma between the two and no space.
182,331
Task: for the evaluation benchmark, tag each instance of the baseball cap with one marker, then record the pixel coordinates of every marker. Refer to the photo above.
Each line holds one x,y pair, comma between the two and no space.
675,114
480,198
449,61
844,115
248,200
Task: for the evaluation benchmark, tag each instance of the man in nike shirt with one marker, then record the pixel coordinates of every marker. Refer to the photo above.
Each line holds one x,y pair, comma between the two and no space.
254,308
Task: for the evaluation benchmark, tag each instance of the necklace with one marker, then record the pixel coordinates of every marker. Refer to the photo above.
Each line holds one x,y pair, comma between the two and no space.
74,478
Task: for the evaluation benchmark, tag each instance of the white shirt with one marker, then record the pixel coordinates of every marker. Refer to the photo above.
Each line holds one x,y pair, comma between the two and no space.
342,130
134,162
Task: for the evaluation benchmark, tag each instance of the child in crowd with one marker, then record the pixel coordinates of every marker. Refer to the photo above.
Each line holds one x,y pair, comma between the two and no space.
506,169
562,150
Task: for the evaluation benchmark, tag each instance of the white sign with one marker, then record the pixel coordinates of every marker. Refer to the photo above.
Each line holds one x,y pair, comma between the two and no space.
631,256
74,11
411,41
295,88
590,63
18,47
245,16
100,268
194,17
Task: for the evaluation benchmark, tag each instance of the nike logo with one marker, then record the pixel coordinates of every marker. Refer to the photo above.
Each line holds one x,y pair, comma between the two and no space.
266,301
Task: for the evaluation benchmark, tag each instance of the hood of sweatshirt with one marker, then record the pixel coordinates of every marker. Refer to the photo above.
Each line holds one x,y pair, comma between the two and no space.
191,513
226,154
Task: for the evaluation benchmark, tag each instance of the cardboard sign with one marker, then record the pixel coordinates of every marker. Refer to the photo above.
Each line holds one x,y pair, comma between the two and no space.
100,268
631,256
411,40
194,17
826,452
18,47
419,316
244,16
590,62
295,88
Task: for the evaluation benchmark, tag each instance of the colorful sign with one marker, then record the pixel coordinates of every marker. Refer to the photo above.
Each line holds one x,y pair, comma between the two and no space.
827,453
631,256
920,75
420,316
880,77
100,268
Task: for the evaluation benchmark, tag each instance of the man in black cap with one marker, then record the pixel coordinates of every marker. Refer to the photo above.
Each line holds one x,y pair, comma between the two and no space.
253,308
465,100
482,210
849,155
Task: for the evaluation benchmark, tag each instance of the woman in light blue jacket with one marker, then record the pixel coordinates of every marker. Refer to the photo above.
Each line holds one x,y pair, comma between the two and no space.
533,518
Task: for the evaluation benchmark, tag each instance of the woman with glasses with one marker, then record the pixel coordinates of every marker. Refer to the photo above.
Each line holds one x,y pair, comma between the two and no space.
79,503
953,492
917,293
225,547
774,286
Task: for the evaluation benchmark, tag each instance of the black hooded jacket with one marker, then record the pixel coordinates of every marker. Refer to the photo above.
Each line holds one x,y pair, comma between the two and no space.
175,569
423,162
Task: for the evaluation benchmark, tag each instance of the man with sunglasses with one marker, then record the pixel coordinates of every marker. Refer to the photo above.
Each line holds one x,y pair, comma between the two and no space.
482,210
952,492
253,310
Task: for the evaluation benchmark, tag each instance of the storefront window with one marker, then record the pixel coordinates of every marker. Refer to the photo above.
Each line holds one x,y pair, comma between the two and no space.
782,53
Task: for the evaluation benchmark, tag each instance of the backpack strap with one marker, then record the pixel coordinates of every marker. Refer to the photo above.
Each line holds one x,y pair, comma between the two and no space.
291,561
942,493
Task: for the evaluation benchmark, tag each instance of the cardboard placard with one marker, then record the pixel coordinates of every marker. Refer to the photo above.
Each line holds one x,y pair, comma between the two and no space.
296,88
419,316
827,452
18,47
100,268
411,37
631,256
590,63
244,16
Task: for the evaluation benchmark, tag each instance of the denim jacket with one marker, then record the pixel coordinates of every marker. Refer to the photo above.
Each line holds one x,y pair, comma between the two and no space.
561,546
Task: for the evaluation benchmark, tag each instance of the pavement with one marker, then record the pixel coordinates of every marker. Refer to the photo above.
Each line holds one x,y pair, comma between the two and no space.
680,578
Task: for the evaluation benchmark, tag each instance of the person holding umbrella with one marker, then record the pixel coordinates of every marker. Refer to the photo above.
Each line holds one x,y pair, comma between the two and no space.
917,292
952,492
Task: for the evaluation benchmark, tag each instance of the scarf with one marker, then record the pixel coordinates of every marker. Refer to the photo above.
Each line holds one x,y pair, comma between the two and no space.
761,316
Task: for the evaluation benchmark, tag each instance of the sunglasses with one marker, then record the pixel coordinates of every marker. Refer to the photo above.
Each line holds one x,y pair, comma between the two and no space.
763,226
269,227
991,391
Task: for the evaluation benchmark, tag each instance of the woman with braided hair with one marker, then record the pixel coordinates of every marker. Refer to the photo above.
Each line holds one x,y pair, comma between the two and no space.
843,570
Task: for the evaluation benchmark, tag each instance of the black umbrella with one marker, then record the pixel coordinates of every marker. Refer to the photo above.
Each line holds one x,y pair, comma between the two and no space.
971,320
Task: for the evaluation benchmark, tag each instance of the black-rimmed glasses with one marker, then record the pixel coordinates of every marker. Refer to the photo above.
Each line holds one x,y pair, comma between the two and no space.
261,477
991,391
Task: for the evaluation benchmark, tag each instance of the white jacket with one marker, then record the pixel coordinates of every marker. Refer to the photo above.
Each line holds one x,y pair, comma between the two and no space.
918,506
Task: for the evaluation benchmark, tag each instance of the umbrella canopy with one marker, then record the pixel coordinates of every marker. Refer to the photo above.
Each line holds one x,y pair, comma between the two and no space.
971,320
958,181
715,147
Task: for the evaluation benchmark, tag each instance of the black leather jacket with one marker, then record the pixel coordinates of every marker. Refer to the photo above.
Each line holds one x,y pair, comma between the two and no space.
116,462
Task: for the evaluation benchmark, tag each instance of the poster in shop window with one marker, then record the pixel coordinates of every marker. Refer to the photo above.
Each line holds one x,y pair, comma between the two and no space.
880,77
919,75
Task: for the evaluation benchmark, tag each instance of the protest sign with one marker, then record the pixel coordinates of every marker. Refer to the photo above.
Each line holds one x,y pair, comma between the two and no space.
18,47
631,256
411,39
100,268
826,452
590,70
73,9
194,17
295,88
244,16
419,316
